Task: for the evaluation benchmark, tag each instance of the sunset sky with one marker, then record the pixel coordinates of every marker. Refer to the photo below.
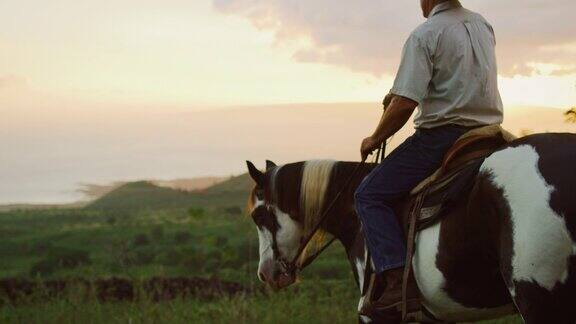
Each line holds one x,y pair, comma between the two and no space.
75,72
211,53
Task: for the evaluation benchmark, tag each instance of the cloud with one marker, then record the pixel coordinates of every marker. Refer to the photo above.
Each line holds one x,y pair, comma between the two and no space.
367,35
8,81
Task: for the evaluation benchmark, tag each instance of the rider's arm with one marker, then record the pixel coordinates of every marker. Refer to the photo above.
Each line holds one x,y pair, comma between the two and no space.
410,86
394,117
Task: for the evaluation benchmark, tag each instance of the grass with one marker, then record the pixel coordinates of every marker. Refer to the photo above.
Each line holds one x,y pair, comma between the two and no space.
140,231
326,303
311,302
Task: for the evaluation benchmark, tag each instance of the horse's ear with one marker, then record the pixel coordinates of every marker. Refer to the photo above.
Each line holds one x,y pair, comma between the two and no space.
255,174
270,165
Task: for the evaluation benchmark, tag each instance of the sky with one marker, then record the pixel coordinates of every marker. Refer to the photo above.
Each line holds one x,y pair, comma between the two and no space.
84,81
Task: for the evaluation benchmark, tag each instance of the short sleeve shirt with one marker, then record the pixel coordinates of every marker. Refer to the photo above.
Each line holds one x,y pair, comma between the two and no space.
449,68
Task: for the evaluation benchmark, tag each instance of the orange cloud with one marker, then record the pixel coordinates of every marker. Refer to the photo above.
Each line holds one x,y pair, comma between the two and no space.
367,35
9,80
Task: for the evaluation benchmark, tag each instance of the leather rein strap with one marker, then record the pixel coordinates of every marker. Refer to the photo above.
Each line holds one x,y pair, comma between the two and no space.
411,238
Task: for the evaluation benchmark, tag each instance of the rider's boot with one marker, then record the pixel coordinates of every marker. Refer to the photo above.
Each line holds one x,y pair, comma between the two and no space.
385,295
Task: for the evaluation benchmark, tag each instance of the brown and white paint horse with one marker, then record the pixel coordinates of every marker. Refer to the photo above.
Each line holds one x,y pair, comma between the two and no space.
508,246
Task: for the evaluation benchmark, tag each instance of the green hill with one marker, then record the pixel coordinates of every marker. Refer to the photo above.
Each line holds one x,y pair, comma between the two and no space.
145,195
241,183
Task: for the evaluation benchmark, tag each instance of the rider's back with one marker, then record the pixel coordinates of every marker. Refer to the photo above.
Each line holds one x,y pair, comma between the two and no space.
461,66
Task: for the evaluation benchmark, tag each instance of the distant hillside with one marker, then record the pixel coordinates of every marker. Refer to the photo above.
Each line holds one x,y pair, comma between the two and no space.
95,191
142,194
11,207
147,195
238,183
192,184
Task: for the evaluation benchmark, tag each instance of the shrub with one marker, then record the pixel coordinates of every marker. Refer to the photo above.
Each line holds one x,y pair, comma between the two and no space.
144,257
39,247
213,259
170,257
182,237
196,213
212,266
230,258
60,258
221,241
157,233
203,259
43,267
193,263
215,241
70,258
141,240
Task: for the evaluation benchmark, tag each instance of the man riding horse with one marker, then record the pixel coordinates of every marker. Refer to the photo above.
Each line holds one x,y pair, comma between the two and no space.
448,70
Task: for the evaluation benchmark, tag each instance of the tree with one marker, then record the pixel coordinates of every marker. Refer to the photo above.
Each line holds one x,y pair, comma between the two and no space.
196,213
571,115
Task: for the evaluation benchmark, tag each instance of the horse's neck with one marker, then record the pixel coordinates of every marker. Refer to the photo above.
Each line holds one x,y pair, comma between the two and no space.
343,222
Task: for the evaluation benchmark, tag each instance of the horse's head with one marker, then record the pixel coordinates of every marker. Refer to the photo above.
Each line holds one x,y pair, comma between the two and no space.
279,233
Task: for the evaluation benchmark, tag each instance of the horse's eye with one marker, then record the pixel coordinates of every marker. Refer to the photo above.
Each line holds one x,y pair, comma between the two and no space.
259,194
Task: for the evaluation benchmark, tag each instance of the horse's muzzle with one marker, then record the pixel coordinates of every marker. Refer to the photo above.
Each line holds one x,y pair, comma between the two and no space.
270,273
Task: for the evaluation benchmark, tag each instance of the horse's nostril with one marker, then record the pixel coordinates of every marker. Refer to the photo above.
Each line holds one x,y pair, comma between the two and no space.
275,274
261,276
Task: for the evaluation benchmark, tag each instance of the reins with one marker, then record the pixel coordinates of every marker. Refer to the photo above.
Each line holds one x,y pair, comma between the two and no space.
290,266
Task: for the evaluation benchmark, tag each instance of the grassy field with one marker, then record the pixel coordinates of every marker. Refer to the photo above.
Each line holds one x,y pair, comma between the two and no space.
142,231
326,301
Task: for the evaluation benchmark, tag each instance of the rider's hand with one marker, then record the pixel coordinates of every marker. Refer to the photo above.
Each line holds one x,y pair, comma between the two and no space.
369,144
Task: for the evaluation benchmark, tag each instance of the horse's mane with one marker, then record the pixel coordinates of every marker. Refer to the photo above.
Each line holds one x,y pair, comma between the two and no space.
313,187
315,178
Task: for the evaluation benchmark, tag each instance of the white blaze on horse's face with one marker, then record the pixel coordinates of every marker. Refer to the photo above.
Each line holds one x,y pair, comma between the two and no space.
288,235
279,237
265,239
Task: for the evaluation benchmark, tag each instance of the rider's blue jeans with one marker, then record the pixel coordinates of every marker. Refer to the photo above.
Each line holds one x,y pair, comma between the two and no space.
414,160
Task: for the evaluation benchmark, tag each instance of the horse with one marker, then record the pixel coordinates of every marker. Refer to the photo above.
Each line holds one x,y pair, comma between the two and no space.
508,246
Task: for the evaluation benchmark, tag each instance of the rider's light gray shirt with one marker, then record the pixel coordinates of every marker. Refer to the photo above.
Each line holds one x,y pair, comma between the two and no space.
449,67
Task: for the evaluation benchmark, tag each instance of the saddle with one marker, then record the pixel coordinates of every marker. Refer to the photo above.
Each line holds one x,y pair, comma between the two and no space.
455,177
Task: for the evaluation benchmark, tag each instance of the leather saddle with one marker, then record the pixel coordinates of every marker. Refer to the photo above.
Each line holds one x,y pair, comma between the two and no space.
456,176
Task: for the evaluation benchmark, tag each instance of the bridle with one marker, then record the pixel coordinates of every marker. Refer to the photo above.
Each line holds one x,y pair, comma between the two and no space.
292,266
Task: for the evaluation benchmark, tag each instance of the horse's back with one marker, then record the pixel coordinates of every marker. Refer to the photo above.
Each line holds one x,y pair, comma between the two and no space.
536,179
538,171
